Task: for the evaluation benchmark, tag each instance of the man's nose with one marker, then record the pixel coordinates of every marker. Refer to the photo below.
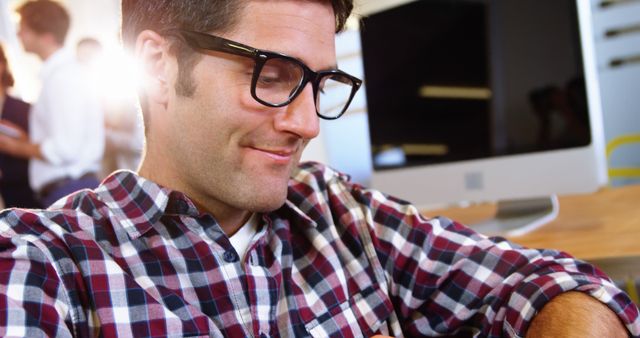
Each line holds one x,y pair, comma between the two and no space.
299,117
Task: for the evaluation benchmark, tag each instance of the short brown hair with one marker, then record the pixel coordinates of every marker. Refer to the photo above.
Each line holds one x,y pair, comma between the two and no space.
46,16
6,79
198,15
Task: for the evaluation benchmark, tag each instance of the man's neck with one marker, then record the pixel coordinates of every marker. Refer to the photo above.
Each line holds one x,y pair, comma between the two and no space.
230,219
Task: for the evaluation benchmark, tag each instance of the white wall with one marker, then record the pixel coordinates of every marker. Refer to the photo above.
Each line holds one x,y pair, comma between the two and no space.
620,86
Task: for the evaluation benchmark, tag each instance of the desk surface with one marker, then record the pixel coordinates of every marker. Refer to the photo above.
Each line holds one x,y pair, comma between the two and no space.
603,227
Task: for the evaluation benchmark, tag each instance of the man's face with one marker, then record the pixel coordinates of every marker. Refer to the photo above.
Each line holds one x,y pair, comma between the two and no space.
28,38
225,147
88,54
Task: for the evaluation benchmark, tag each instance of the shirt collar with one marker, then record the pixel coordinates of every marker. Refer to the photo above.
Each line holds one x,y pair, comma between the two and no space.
137,203
296,211
307,197
316,192
59,57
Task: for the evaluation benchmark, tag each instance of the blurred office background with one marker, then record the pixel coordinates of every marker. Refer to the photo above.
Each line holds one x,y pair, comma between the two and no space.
111,70
616,28
344,143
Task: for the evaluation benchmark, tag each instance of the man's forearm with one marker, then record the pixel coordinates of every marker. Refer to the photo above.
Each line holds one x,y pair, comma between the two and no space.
27,150
32,151
575,314
21,148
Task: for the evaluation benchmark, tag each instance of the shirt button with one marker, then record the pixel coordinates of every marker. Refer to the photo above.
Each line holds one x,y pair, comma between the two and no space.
230,256
264,335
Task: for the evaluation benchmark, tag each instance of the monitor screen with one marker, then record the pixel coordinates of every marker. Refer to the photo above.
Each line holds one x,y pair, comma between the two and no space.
482,99
463,80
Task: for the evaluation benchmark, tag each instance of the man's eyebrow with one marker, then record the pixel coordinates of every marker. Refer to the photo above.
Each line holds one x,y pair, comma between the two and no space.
333,67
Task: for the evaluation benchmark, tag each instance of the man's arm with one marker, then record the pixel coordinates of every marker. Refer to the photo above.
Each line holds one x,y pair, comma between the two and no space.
444,269
446,279
31,295
19,146
575,314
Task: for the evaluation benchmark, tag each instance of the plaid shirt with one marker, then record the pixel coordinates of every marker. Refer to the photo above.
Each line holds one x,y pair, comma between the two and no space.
132,258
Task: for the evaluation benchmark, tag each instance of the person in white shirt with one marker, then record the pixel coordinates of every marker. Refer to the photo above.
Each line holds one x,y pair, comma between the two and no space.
66,143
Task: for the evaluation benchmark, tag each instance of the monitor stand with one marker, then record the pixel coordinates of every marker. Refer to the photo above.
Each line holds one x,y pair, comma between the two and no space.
518,217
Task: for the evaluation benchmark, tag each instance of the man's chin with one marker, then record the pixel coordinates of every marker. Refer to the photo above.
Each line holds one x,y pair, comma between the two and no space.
267,208
265,192
268,203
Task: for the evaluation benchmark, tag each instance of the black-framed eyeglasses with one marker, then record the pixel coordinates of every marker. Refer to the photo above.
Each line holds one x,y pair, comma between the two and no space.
278,79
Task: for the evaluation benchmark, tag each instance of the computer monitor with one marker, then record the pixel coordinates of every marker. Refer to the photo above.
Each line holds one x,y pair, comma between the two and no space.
484,100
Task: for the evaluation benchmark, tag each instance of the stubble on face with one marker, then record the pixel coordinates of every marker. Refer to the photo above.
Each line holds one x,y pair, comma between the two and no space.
228,153
219,168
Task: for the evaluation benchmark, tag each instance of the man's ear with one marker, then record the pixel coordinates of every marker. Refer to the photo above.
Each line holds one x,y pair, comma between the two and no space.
153,50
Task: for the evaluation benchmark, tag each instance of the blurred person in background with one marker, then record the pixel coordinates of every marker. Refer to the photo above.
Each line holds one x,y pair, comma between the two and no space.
123,125
66,143
14,171
88,52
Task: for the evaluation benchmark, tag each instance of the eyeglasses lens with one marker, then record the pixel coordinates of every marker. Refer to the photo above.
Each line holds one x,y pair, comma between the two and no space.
279,79
333,95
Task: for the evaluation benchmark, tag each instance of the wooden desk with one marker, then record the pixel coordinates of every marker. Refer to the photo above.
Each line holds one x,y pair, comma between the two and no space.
602,228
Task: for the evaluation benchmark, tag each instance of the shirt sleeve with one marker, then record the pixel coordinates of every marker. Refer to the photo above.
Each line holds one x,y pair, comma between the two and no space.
32,301
446,279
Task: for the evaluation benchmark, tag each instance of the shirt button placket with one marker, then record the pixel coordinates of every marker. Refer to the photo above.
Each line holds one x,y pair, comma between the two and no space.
230,256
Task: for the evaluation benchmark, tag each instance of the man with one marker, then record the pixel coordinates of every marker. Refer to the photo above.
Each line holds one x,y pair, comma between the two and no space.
67,132
213,238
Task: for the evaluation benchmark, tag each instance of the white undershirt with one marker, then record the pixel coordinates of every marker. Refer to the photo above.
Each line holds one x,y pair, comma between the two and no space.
242,238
